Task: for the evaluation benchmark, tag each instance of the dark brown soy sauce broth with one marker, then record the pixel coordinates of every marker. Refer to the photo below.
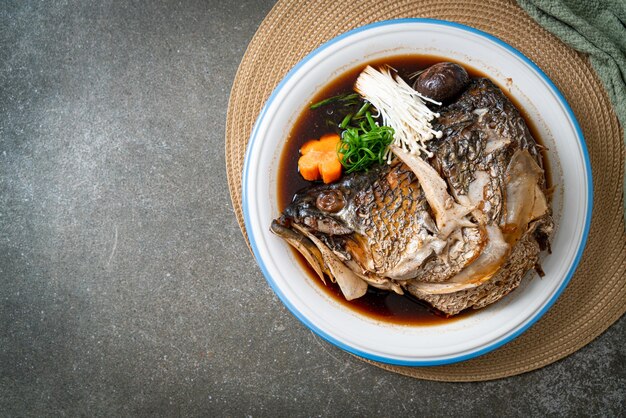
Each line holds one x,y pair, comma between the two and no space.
312,124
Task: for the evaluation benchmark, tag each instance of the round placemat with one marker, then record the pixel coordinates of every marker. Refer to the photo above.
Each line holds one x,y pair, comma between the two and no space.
596,295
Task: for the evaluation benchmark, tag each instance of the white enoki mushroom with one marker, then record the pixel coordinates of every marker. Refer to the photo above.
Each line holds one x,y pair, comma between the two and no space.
401,107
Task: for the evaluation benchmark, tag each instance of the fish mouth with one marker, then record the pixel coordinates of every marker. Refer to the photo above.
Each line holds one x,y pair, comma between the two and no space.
282,228
322,259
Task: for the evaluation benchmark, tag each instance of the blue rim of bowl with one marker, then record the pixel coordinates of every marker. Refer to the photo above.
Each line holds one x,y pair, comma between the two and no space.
394,361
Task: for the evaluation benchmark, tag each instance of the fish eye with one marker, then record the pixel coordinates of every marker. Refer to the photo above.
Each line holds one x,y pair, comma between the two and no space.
330,201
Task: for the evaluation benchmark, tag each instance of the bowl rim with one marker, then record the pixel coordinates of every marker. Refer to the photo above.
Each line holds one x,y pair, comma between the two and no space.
489,347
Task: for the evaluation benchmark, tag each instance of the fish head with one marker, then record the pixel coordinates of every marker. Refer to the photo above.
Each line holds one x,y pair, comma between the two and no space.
321,208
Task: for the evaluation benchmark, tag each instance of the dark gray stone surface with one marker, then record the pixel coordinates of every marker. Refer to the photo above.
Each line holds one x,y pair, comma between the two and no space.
126,287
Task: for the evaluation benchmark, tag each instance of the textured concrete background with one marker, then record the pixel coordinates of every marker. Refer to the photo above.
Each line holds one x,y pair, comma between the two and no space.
126,287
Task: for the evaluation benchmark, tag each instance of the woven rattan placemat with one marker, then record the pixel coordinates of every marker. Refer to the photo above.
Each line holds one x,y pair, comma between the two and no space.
596,295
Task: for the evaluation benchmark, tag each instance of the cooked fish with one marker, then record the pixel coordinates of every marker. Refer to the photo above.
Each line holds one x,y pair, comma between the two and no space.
458,230
378,223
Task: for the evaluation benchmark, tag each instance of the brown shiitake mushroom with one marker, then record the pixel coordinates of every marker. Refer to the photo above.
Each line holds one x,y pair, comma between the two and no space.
442,82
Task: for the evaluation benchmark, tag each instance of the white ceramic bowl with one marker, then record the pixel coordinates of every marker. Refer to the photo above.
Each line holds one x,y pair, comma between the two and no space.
473,335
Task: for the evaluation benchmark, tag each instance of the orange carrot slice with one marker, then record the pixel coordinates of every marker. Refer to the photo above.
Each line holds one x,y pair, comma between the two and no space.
319,159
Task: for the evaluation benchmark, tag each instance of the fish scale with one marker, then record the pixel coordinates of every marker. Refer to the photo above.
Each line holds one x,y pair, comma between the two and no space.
394,216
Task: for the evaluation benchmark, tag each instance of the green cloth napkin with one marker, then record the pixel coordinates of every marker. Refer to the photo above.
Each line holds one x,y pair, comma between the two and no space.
596,28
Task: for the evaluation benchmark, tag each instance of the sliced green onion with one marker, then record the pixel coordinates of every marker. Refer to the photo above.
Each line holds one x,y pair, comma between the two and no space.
361,147
363,108
345,99
368,115
344,123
